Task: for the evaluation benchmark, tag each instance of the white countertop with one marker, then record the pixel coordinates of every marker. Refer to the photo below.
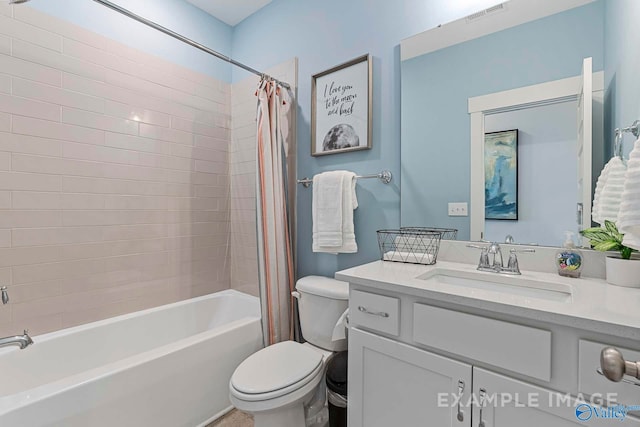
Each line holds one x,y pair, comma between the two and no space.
594,305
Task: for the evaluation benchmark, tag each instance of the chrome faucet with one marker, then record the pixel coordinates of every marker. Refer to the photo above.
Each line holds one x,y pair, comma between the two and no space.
495,263
23,341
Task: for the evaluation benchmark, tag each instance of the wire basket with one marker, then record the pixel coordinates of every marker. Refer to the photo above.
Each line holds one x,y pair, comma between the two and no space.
411,245
447,233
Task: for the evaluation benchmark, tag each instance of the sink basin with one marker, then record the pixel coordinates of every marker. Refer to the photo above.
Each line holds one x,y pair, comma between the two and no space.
502,284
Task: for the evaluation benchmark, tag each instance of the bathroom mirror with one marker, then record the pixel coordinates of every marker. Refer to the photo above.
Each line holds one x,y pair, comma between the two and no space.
513,47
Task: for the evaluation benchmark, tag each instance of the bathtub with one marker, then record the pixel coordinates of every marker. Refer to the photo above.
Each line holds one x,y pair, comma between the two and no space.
167,366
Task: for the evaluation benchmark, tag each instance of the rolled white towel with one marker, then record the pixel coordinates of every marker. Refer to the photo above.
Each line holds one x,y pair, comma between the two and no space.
410,257
629,215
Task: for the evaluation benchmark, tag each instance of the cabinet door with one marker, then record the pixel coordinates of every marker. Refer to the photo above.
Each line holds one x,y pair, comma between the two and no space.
515,403
393,384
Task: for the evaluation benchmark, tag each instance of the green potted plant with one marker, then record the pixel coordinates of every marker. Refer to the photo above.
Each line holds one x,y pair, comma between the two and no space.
622,270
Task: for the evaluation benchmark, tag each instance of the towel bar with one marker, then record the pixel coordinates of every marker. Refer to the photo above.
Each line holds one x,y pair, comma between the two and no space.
385,176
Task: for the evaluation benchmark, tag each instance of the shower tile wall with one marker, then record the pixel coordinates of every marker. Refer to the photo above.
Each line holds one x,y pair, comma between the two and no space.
244,267
114,176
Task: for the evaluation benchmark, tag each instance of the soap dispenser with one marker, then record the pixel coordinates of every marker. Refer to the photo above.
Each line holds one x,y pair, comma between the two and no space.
569,259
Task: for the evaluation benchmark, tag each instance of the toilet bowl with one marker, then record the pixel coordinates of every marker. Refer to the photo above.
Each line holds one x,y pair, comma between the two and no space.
283,385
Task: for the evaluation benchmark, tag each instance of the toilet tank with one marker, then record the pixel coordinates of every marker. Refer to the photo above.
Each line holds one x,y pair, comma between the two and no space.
321,302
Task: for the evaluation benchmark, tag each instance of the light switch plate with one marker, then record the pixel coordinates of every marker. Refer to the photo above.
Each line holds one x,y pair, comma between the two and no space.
458,209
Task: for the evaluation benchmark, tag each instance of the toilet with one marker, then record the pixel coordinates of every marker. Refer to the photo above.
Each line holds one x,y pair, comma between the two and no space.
283,385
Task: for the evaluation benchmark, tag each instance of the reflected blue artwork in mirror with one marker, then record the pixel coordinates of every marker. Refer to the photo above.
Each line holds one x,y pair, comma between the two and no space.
501,175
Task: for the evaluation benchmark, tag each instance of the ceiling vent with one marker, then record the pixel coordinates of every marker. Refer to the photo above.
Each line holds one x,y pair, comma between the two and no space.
502,7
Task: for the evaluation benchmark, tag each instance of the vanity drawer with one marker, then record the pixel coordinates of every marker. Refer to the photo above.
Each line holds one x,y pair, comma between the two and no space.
590,382
518,348
375,312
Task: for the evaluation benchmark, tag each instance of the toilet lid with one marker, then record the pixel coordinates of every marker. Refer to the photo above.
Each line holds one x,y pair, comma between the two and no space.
275,367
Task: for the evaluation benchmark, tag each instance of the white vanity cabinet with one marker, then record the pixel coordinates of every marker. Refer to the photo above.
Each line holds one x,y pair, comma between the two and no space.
394,384
411,361
509,402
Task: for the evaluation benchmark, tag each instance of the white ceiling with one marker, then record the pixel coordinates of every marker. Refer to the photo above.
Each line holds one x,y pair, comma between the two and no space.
230,11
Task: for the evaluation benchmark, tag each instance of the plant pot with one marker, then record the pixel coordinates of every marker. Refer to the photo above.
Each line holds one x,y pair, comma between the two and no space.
623,272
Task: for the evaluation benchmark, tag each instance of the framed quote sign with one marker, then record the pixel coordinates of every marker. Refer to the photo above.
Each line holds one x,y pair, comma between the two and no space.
341,108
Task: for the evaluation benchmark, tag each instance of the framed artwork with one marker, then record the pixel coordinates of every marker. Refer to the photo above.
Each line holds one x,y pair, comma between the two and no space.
341,108
501,175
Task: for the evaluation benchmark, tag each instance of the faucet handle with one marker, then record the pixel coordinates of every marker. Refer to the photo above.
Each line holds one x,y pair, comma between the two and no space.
484,256
512,265
5,295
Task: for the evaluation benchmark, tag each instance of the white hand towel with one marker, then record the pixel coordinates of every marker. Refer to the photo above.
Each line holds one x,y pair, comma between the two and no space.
334,199
629,215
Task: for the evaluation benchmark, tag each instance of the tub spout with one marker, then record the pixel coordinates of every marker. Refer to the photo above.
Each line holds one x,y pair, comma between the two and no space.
23,341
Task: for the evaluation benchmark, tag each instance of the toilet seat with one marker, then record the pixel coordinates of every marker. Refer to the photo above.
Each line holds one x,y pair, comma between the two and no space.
276,371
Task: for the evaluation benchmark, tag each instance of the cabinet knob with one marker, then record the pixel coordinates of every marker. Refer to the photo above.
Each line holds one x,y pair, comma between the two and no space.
614,367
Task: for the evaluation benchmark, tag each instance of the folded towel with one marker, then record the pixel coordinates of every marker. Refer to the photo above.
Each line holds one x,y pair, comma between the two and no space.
602,179
334,199
611,195
629,215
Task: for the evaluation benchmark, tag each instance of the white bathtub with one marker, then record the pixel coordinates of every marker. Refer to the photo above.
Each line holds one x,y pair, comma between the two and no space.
167,366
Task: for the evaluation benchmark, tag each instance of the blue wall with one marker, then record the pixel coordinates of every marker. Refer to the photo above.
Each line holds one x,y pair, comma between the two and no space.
323,34
622,68
177,15
436,87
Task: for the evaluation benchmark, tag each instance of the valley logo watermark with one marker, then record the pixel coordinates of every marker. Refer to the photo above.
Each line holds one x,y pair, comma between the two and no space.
587,408
586,412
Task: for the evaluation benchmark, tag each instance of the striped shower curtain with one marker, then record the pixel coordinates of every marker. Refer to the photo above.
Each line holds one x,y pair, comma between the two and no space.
275,257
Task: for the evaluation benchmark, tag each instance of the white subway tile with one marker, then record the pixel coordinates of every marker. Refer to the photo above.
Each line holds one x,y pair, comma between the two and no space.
129,142
5,122
55,270
211,143
35,200
74,184
6,9
55,95
164,134
5,45
27,107
5,84
5,161
5,239
29,181
55,166
19,219
55,236
99,153
23,31
28,144
33,53
212,167
47,129
29,70
97,121
217,131
130,112
72,201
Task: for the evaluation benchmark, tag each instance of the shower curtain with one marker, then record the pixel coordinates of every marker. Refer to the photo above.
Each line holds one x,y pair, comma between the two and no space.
275,255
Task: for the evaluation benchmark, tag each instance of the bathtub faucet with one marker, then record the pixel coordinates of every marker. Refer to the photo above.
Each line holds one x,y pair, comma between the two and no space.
23,341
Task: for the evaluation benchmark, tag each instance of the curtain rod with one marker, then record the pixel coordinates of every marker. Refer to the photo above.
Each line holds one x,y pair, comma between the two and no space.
186,40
